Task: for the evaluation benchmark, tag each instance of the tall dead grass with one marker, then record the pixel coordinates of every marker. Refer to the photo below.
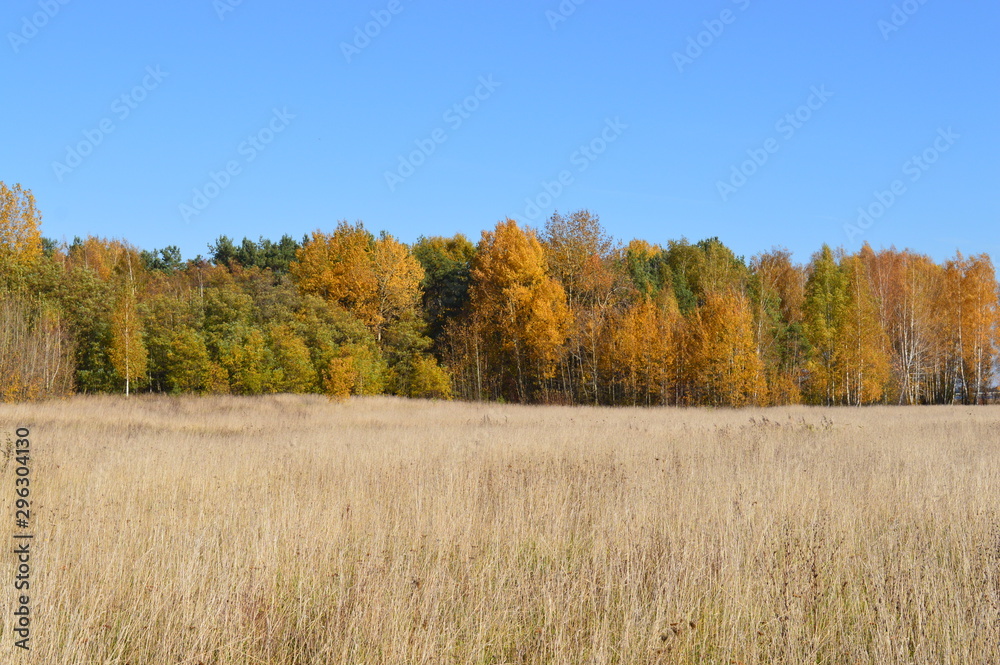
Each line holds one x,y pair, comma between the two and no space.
291,530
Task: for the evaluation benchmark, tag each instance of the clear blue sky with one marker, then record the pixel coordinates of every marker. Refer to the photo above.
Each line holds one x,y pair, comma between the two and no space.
672,129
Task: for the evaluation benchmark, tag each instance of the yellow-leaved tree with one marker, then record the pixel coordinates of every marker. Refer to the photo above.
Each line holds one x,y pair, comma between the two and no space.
727,368
973,315
643,349
850,359
128,351
36,346
375,279
583,259
907,287
863,348
521,310
20,233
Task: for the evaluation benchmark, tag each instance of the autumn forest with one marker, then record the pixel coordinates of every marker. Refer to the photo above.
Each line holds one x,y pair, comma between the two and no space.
561,314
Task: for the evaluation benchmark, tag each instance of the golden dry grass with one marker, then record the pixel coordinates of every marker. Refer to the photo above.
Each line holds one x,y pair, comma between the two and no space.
292,530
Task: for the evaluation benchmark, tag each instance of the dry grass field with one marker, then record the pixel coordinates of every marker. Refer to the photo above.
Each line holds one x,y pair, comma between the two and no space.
289,529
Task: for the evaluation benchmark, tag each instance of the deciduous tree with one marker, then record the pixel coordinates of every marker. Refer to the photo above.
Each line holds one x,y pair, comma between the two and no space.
824,310
521,308
128,350
726,367
376,280
20,233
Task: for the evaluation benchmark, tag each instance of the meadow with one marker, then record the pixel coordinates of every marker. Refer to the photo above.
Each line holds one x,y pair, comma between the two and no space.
291,529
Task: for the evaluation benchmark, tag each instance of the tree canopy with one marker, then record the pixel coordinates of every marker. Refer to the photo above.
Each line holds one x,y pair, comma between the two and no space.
562,314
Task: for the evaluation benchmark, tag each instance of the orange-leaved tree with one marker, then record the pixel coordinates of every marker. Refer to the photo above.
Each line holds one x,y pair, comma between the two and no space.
584,259
863,346
970,295
726,367
521,310
376,280
643,350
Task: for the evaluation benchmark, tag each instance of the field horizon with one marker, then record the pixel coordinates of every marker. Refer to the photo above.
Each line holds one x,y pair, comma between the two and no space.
291,529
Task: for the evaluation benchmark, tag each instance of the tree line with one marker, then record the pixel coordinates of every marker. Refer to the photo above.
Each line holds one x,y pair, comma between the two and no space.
561,314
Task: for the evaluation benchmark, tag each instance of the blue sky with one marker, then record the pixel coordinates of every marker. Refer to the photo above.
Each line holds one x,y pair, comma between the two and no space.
761,123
